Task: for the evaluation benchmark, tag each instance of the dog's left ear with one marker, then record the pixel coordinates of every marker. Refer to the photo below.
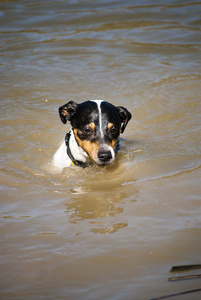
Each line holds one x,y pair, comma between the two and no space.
125,116
67,111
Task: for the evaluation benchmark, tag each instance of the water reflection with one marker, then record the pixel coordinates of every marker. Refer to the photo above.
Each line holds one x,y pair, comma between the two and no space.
111,229
93,208
99,208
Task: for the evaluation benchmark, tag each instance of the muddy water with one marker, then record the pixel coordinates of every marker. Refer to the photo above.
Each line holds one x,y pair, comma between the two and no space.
100,233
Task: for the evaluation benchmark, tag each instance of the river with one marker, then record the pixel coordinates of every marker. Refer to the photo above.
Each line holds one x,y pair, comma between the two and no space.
100,233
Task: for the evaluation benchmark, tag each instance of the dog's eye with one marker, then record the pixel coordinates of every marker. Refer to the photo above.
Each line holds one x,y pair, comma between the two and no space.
87,131
113,130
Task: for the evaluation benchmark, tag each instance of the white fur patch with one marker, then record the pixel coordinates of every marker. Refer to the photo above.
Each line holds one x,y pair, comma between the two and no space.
62,160
98,102
78,152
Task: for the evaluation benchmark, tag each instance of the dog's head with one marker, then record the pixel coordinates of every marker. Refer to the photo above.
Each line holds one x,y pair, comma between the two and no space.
96,125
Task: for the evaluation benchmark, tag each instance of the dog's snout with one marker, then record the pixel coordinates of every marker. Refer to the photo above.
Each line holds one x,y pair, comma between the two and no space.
104,155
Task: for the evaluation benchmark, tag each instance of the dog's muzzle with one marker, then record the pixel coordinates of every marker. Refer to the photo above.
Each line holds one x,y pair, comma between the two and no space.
105,155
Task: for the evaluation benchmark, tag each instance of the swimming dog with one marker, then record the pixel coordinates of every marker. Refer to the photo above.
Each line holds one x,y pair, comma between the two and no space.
93,138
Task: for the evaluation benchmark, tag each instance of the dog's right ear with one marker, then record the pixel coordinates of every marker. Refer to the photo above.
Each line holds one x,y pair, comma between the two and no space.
67,111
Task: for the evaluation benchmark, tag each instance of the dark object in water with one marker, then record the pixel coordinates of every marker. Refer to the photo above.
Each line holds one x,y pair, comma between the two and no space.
184,268
184,277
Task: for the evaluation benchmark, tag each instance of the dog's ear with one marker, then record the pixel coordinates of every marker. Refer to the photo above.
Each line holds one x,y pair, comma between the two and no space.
67,111
125,116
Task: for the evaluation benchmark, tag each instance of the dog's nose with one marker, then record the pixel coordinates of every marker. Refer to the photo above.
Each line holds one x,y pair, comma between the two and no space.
104,155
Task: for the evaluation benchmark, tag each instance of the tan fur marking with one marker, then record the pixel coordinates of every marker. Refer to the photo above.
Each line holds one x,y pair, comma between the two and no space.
91,148
92,126
110,125
113,144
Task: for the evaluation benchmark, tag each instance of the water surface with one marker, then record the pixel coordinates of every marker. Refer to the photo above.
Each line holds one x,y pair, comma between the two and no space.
100,233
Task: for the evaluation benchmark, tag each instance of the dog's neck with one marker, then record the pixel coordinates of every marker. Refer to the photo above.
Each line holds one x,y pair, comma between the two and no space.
77,155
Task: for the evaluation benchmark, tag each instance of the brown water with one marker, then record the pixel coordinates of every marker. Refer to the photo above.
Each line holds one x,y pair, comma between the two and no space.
100,233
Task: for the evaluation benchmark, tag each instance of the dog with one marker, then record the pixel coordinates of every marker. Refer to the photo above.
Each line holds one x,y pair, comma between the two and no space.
93,138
